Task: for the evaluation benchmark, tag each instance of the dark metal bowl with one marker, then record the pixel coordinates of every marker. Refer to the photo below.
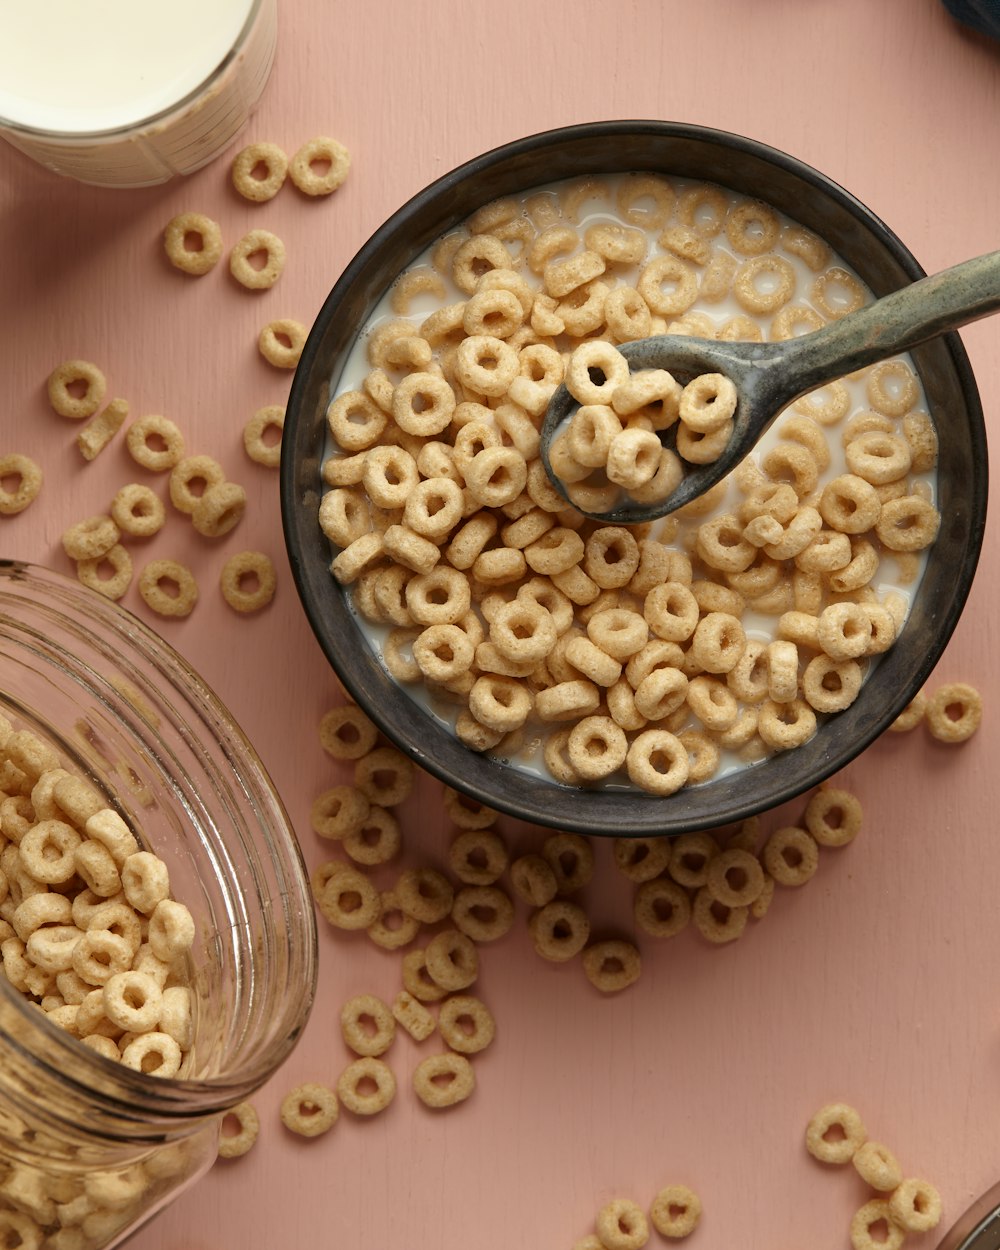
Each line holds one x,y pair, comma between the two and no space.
805,195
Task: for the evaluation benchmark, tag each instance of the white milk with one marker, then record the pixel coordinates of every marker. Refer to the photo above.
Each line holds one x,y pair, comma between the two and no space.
529,756
130,92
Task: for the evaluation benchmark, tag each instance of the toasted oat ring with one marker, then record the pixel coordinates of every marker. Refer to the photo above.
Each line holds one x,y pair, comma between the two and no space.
657,762
638,187
915,1205
91,538
791,856
315,151
29,482
246,162
443,1080
837,293
850,1130
158,573
559,930
193,471
668,269
138,511
955,695
621,1225
452,960
752,228
346,733
250,245
661,907
878,1166
283,355
266,453
219,509
877,1211
717,922
909,523
120,563
831,685
233,1145
478,857
198,260
309,1110
675,1212
735,877
377,841
708,402
833,816
612,966
483,913
150,456
355,1017
248,581
757,298
466,1024
79,372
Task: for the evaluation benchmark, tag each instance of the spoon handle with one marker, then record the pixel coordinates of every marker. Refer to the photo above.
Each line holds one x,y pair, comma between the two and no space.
895,323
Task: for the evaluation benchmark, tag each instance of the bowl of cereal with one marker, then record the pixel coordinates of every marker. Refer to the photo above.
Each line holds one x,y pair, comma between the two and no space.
598,677
158,939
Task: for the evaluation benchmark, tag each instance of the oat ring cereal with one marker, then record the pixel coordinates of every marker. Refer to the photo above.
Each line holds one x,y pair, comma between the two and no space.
878,1167
366,1086
657,762
833,816
466,1024
676,1211
257,243
67,379
247,1121
444,1080
915,1205
559,930
483,913
193,243
280,342
876,1214
309,1109
835,1133
367,1025
791,856
313,181
452,960
716,921
138,511
119,563
621,1225
662,908
26,475
169,588
954,712
273,164
248,581
261,448
612,966
219,509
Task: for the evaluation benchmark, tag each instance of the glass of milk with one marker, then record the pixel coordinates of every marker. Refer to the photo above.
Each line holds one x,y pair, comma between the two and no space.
128,93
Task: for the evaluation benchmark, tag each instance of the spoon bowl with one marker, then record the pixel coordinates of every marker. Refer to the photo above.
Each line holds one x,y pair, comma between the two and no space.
769,376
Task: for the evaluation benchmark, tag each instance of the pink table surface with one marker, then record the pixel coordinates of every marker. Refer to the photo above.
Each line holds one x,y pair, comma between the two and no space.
876,984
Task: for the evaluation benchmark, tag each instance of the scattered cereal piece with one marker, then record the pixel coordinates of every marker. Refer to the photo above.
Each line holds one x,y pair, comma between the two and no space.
138,511
835,1133
878,1166
466,1024
954,712
257,243
349,900
612,966
911,715
444,1080
413,1016
89,539
346,733
190,478
233,1145
642,859
193,243
155,443
385,776
271,160
261,451
417,979
281,342
482,912
118,561
452,960
366,1086
717,921
377,841
791,856
876,1215
219,509
99,431
248,581
833,816
676,1211
367,1025
169,588
309,1109
916,1206
478,857
70,376
319,151
338,812
661,907
559,930
533,880
25,478
571,858
621,1225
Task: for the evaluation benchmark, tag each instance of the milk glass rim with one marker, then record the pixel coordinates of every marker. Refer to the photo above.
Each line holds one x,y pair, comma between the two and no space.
154,119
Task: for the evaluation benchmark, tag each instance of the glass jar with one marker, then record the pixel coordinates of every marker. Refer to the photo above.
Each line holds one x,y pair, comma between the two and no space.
158,119
89,1148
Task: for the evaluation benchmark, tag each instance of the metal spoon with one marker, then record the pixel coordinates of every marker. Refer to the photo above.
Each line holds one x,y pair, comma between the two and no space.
769,376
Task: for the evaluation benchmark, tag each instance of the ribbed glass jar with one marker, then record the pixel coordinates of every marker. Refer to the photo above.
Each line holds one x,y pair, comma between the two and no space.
89,1148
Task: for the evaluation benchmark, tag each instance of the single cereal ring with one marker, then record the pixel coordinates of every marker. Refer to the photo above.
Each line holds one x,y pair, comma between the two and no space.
483,913
633,193
273,164
169,588
835,1133
119,561
597,747
443,1080
661,907
876,1214
23,471
915,1205
384,776
559,930
791,856
452,960
621,1225
280,342
219,509
878,1167
831,685
763,284
234,1145
425,894
752,228
260,448
138,511
690,857
891,388
954,712
676,1211
735,877
478,856
318,152
612,966
248,581
571,858
657,762
466,1024
66,379
367,1025
394,928
156,1054
718,922
309,1110
346,733
205,239
833,816
257,243
668,284
90,539
642,859
155,443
